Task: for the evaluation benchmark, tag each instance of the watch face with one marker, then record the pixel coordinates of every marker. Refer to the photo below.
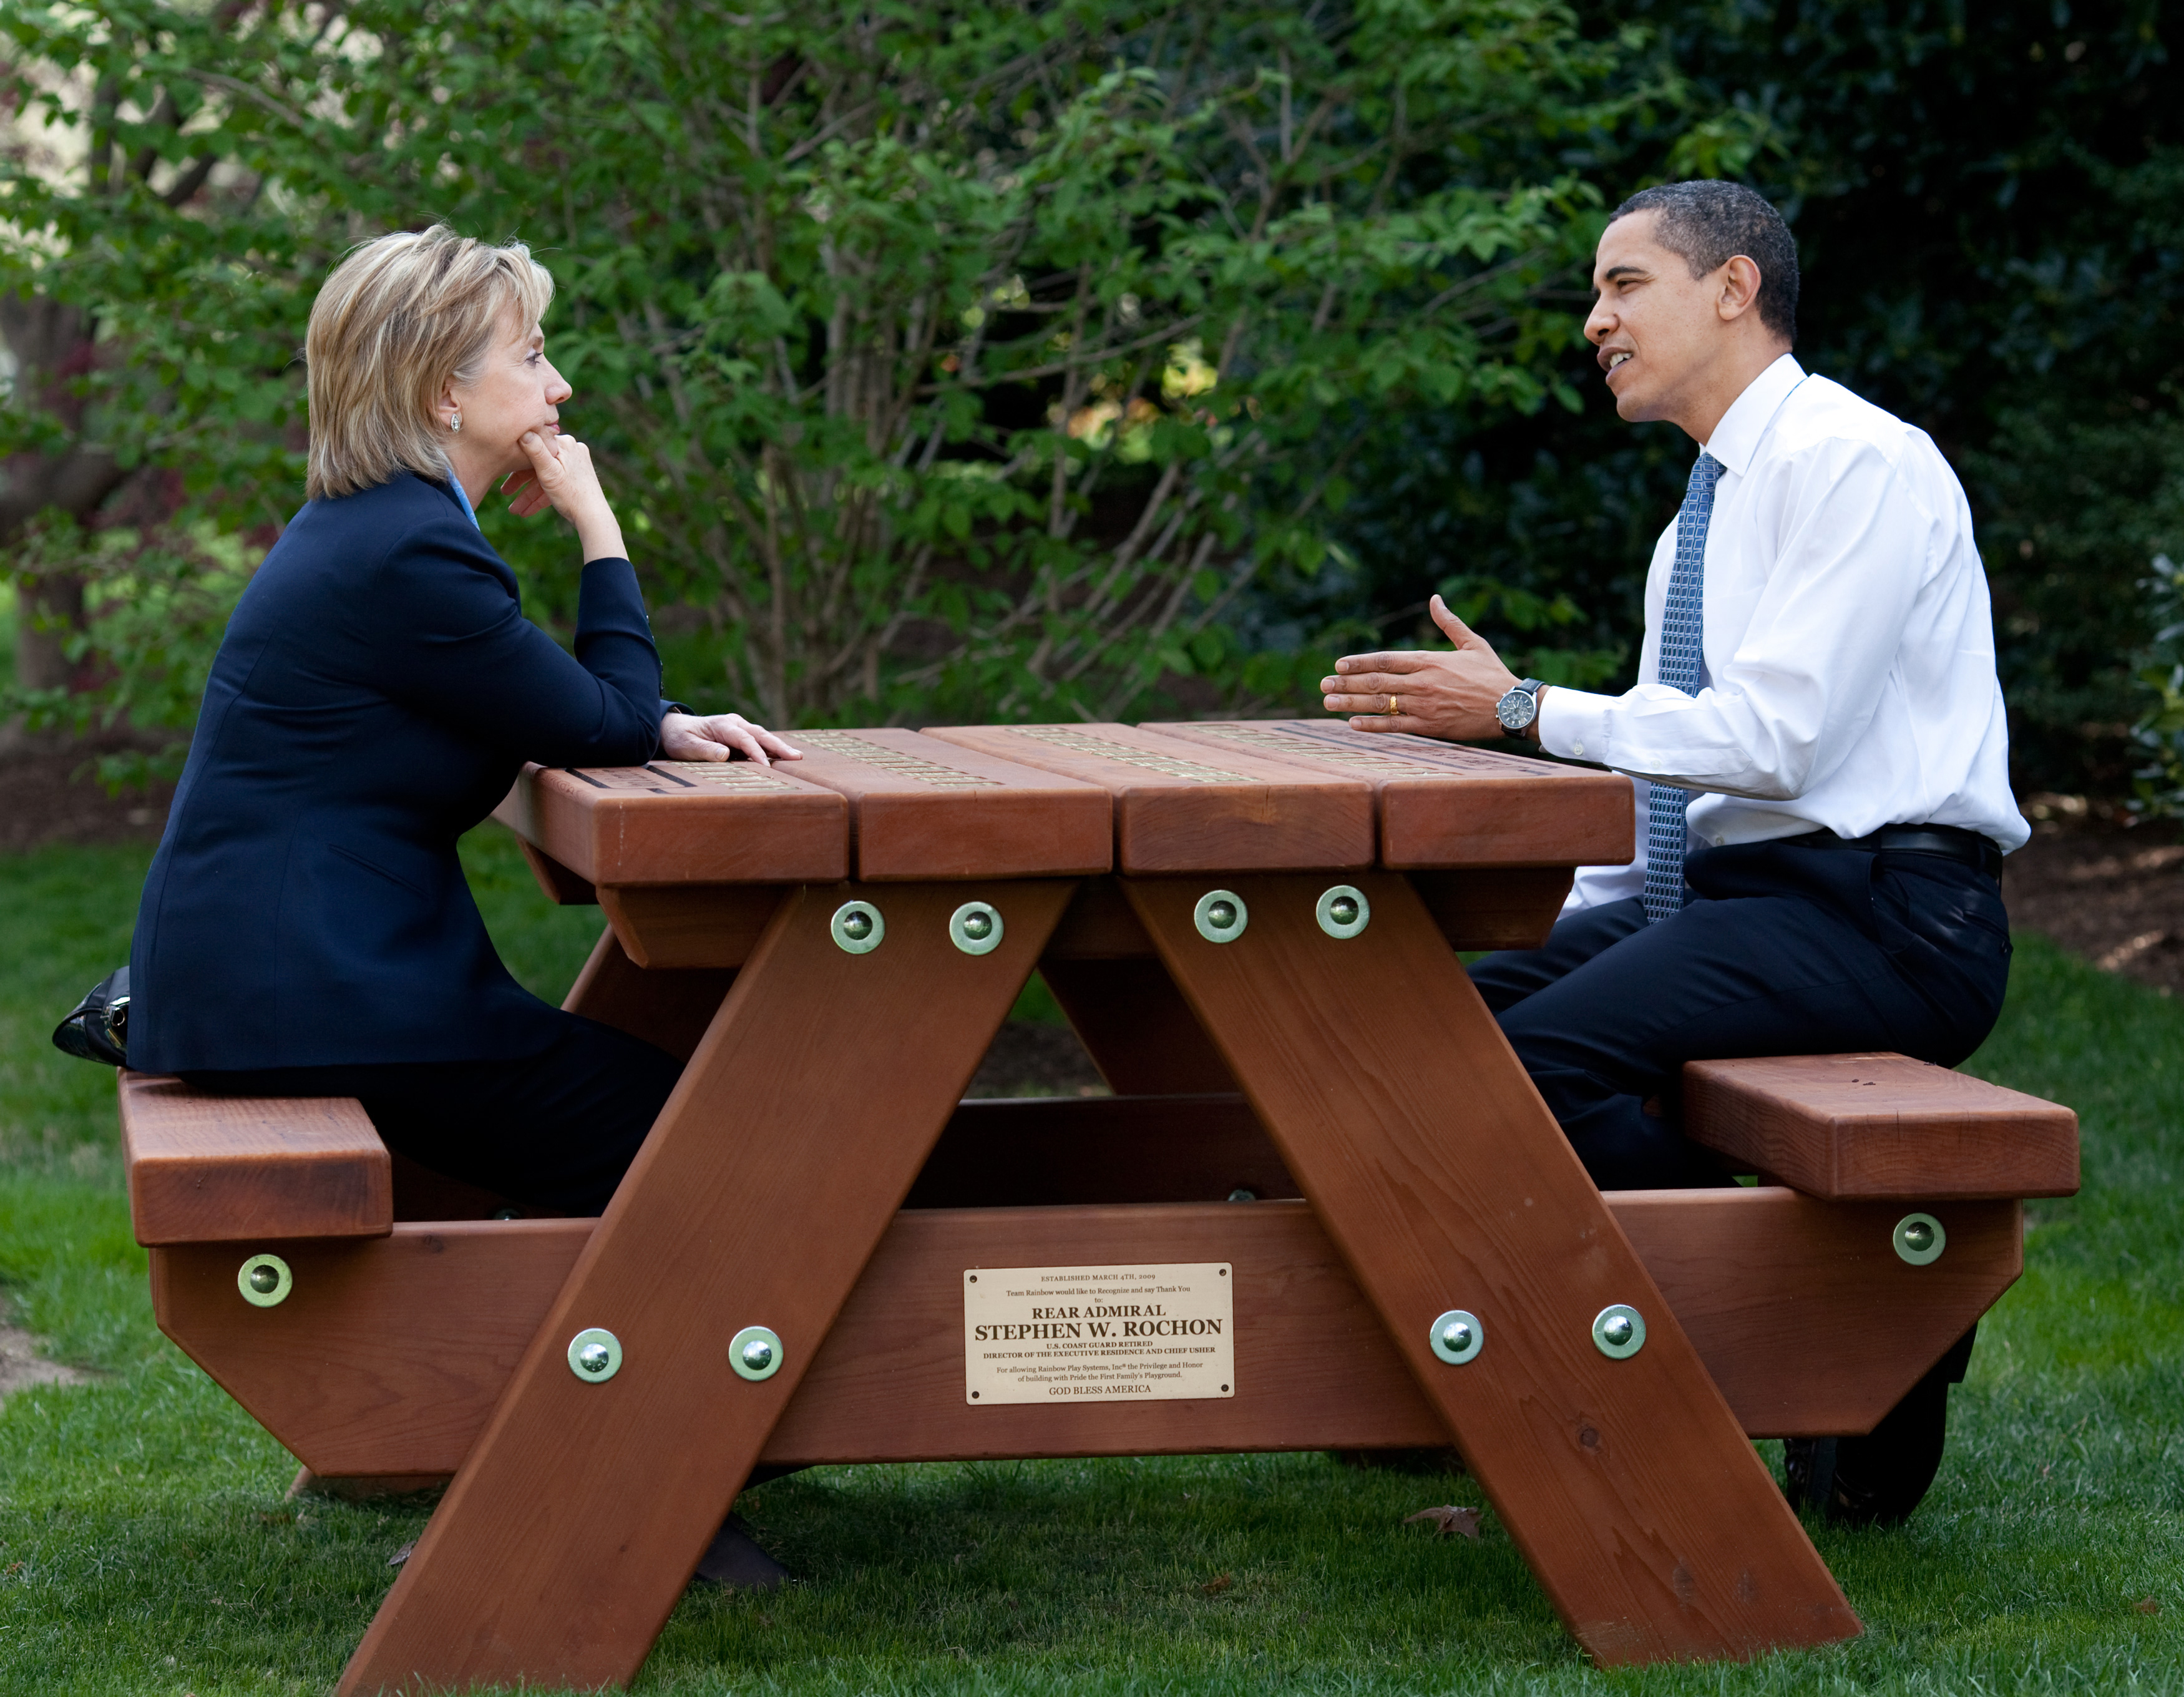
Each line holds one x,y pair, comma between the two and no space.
1516,710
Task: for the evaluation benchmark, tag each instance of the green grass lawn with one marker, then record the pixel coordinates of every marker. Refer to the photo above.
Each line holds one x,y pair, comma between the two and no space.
145,1545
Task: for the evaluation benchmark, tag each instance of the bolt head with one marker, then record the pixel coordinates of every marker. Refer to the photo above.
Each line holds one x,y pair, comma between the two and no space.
593,1358
1918,1236
1616,1331
1456,1336
1221,915
1343,910
978,926
263,1280
758,1355
857,927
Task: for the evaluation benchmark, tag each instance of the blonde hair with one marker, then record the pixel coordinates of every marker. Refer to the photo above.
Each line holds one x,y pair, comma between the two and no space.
399,318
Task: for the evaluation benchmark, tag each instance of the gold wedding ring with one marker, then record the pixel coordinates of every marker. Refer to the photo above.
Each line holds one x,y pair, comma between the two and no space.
1392,709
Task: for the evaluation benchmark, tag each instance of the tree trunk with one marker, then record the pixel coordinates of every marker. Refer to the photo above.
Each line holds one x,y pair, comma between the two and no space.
52,343
48,610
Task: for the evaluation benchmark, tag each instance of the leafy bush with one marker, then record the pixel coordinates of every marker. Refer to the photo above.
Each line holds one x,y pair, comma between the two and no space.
2158,734
957,361
1984,199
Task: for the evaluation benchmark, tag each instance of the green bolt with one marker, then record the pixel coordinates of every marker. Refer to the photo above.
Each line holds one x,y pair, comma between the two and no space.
263,1280
1221,915
1918,1236
758,1355
1343,909
593,1358
978,926
857,927
1455,1338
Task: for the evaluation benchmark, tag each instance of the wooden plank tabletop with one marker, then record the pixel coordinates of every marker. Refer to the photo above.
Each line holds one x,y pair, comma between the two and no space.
923,809
1442,805
1180,807
682,822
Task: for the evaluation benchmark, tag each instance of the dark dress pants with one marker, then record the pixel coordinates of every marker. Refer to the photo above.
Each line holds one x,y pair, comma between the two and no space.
1782,951
554,1130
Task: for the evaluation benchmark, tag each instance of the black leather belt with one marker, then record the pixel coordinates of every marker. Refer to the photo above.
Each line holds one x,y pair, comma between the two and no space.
1951,842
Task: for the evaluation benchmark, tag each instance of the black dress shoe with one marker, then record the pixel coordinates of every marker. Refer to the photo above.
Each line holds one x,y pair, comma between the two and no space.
1878,1479
734,1560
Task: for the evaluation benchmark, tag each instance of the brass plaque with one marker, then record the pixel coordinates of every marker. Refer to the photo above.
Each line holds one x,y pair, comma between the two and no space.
1117,1334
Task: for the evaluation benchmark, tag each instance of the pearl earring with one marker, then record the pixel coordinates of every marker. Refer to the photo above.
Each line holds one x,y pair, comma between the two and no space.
455,423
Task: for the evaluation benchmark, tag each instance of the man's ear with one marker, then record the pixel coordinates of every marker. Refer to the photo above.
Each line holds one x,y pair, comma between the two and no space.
1740,288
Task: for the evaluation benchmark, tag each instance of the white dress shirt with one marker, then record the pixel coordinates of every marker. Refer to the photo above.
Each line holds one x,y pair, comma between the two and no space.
1848,680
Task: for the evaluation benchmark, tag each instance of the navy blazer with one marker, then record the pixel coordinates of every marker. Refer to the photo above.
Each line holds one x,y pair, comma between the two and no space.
377,690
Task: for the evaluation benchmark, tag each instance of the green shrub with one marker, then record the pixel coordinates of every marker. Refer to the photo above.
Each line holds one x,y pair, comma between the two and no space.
947,360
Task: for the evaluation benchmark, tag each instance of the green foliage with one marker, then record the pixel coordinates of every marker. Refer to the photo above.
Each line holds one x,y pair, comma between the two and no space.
1487,601
1984,202
976,360
2159,790
158,600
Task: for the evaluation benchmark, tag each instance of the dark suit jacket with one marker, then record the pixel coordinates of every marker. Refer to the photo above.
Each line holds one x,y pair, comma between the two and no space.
377,690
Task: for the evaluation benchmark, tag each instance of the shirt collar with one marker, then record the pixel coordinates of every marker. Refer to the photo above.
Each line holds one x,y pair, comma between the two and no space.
463,495
1736,437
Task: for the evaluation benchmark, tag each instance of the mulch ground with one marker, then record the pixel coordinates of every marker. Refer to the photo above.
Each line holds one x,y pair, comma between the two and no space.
2112,893
54,797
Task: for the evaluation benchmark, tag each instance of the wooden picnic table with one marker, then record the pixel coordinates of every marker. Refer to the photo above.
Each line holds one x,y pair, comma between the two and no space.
1254,928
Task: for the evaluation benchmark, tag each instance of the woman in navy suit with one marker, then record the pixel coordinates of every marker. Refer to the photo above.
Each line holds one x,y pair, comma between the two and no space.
306,929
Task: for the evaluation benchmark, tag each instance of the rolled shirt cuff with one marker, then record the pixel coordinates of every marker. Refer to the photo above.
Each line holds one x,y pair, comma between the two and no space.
1573,723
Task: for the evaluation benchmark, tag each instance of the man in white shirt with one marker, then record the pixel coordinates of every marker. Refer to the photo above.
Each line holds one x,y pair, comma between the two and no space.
1817,735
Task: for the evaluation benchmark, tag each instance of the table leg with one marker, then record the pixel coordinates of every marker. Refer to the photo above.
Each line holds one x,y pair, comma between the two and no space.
1137,1028
1644,1512
669,1006
797,1129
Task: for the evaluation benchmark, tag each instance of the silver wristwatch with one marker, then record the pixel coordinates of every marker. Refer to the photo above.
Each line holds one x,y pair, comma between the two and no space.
1520,706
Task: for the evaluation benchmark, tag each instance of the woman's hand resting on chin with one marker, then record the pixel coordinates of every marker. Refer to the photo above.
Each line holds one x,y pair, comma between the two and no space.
685,736
561,476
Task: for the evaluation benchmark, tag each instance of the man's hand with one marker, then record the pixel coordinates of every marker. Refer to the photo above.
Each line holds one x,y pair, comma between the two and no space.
1448,695
685,736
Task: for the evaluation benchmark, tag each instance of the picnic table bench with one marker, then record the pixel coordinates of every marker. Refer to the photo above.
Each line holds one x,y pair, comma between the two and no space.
1319,1150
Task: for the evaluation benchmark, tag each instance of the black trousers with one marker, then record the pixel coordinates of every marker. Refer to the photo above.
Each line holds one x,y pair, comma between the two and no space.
1783,951
554,1130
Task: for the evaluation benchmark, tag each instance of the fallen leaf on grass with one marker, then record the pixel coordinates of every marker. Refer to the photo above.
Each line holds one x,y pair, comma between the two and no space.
1449,1519
402,1554
1215,1586
2147,1605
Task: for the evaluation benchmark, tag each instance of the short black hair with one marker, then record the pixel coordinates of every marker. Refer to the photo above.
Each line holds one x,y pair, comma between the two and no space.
1707,223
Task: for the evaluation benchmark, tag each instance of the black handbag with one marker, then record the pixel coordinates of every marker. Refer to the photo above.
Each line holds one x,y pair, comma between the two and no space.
97,1028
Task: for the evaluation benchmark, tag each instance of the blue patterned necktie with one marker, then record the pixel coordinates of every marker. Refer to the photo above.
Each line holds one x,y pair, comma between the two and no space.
1683,626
